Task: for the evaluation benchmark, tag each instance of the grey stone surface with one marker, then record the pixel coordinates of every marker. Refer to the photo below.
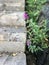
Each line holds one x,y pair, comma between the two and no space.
19,59
11,29
12,7
3,58
45,11
21,37
48,24
6,46
1,7
13,19
12,1
12,32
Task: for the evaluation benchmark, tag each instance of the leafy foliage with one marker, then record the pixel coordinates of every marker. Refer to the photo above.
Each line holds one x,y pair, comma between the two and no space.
38,39
33,8
37,35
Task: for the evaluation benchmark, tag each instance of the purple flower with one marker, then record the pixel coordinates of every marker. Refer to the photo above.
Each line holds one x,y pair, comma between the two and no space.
26,16
28,42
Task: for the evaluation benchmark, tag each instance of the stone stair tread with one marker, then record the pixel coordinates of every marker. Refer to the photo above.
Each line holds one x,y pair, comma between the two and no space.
12,1
3,58
19,59
12,6
12,29
21,37
13,19
6,46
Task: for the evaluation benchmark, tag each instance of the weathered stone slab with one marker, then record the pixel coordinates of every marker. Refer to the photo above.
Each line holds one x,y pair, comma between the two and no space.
12,46
13,19
13,34
12,29
12,7
19,59
21,37
1,7
12,1
3,58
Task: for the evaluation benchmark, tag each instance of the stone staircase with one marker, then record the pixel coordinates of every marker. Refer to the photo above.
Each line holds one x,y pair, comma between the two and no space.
12,32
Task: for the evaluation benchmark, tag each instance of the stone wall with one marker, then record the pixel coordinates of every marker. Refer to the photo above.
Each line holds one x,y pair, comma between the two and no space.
12,25
12,32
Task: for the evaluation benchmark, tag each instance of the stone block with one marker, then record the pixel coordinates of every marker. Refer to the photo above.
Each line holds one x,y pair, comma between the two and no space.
13,19
11,29
17,37
12,7
7,59
12,46
12,1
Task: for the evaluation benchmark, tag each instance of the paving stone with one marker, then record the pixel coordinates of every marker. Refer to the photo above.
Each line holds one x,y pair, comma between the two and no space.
12,1
12,29
21,37
12,7
13,19
19,59
12,32
1,7
12,46
3,58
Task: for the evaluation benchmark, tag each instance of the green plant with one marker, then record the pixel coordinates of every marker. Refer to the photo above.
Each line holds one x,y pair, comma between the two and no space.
37,35
33,8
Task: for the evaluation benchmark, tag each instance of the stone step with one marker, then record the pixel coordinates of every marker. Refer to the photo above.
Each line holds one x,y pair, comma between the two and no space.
13,19
21,37
12,29
12,1
19,59
12,46
12,6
